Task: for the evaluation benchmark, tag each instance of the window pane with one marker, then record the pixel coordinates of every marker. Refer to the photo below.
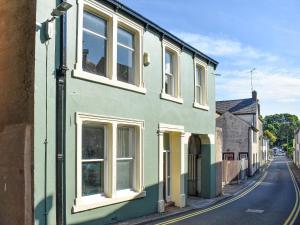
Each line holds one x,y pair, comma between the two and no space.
92,178
198,94
126,142
168,63
126,38
166,141
125,66
169,84
94,54
92,142
94,23
199,74
124,174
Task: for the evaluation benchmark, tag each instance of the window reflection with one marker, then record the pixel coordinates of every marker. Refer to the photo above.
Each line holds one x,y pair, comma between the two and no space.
94,44
125,56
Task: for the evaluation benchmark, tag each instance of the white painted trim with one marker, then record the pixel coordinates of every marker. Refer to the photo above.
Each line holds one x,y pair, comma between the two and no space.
168,46
111,196
198,106
163,127
171,128
98,201
113,20
171,98
106,81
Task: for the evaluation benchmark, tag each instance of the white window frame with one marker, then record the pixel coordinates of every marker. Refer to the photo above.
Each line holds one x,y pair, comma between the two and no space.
176,51
111,195
89,160
113,21
204,87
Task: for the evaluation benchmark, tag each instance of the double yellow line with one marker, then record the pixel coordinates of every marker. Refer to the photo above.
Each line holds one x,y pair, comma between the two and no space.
199,212
295,212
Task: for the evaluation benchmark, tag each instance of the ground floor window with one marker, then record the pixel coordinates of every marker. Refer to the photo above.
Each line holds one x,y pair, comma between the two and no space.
93,158
125,157
109,159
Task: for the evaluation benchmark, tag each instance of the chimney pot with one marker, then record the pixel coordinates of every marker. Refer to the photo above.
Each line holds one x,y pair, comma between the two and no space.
254,95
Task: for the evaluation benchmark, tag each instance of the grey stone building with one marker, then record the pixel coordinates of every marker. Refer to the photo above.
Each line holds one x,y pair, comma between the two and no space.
242,130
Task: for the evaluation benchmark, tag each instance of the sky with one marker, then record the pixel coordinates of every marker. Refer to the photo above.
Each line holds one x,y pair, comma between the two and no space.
240,35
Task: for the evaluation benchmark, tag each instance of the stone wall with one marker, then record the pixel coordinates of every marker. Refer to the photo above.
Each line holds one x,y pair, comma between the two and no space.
15,175
17,27
235,134
219,143
17,47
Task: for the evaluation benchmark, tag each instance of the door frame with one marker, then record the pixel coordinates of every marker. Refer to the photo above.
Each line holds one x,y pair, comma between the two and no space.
177,193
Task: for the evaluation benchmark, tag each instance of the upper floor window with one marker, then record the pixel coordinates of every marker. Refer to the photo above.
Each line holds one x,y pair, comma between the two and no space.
94,44
109,47
125,61
169,73
171,89
200,85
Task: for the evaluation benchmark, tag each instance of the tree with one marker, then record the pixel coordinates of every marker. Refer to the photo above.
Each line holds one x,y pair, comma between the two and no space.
272,138
282,126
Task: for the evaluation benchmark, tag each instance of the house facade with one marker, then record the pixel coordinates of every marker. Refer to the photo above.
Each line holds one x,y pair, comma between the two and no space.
242,130
120,116
266,149
296,155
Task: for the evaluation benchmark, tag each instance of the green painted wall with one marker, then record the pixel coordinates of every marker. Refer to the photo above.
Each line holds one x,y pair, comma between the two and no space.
95,98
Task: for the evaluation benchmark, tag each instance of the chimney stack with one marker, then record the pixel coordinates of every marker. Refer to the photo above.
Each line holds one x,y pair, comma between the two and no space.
254,95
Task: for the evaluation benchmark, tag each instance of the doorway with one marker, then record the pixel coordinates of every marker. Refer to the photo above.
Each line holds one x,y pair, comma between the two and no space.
167,168
194,166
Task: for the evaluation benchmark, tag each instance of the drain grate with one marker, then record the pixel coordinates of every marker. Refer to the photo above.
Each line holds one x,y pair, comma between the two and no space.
255,211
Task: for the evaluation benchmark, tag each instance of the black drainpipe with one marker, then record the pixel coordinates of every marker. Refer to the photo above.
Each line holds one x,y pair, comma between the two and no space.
60,125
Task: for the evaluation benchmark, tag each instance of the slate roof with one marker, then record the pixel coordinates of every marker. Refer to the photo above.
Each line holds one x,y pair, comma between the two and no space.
239,106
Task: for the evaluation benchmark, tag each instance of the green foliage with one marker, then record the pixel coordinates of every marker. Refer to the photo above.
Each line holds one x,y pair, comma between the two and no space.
272,138
282,127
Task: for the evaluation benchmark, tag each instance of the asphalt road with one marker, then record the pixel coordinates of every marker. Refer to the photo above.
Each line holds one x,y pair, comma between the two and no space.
272,201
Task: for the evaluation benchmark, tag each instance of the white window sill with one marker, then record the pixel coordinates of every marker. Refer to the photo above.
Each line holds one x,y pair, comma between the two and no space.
104,80
96,201
198,106
171,98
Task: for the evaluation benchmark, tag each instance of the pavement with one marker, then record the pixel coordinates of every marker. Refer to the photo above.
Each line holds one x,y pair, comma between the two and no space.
296,171
193,203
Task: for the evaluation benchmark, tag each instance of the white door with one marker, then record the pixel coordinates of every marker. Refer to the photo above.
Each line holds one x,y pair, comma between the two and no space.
167,168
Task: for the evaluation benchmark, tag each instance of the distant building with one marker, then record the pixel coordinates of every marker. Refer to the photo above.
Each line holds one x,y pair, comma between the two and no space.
242,130
297,148
265,149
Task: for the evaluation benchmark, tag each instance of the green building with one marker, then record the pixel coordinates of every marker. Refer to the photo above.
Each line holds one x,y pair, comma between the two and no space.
120,115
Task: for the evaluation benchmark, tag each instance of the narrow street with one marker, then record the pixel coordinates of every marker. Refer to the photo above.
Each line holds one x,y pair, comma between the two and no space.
272,200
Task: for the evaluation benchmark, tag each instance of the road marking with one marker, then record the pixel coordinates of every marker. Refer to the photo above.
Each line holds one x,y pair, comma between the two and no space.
199,212
294,214
255,211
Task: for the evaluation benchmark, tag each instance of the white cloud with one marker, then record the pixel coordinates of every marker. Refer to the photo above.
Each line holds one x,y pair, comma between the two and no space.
215,46
272,86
